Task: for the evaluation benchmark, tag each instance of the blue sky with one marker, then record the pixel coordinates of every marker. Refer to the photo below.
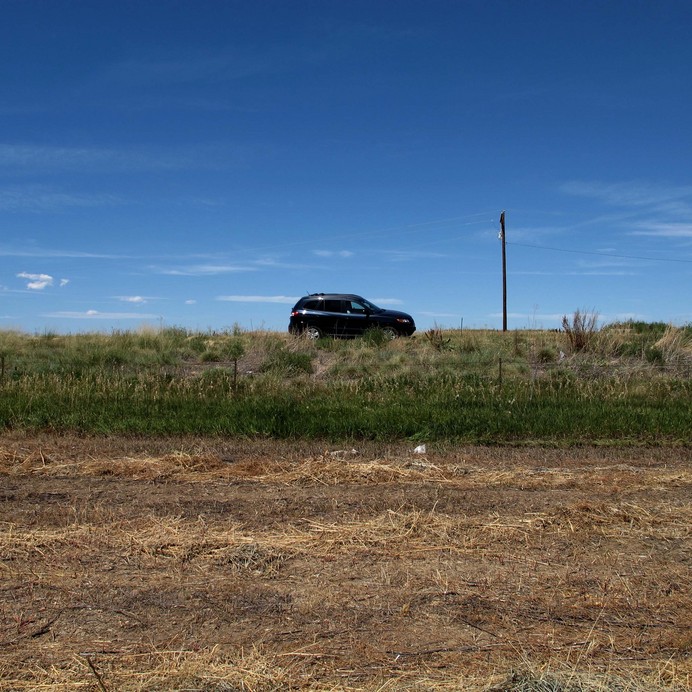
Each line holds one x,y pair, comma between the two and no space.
201,164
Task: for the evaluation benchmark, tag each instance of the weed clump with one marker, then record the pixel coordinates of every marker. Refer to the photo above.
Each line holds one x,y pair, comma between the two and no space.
376,336
437,339
580,329
282,361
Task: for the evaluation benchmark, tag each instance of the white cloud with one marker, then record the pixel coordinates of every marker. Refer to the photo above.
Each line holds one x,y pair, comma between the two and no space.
664,230
345,254
267,263
36,282
387,301
533,273
643,209
38,252
628,194
609,263
37,157
191,302
593,272
211,67
288,300
532,317
29,155
409,255
205,270
132,299
95,314
440,314
38,198
623,317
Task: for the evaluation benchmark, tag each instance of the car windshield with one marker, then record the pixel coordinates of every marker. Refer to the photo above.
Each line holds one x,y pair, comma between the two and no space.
371,306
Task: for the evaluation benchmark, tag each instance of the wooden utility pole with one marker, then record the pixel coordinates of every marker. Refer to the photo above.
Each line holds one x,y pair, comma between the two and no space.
504,272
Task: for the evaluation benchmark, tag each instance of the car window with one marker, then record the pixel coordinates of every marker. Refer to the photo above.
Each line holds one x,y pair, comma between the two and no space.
354,307
371,306
311,305
332,306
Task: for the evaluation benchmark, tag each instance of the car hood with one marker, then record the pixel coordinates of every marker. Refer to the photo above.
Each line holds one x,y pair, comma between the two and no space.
394,314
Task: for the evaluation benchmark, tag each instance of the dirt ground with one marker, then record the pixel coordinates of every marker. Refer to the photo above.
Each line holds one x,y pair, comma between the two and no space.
212,564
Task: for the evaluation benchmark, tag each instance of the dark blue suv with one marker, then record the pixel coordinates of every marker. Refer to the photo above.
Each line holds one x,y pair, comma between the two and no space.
345,315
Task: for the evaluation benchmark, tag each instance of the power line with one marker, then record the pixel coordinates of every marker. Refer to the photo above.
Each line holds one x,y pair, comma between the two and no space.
602,254
400,230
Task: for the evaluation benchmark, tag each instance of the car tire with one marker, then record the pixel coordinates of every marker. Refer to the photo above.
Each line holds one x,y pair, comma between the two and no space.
312,332
390,332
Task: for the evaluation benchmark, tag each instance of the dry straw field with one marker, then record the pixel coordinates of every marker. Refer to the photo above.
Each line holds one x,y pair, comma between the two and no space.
209,564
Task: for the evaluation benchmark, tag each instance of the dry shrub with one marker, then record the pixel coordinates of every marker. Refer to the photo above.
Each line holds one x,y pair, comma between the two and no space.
560,679
159,671
662,521
154,468
581,329
177,464
436,338
330,469
259,670
675,344
252,557
409,530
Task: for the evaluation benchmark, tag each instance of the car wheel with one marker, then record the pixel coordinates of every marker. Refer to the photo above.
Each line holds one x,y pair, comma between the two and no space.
313,333
390,332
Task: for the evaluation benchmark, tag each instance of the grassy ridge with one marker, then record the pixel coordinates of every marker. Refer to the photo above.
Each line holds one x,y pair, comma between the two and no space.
473,387
436,408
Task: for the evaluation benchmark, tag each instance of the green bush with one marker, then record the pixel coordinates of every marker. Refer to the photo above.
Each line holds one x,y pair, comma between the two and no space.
210,355
375,336
546,355
655,356
281,361
628,349
651,329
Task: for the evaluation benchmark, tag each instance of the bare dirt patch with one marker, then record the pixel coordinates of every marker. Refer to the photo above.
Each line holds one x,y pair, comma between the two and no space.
139,564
